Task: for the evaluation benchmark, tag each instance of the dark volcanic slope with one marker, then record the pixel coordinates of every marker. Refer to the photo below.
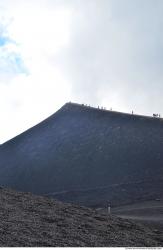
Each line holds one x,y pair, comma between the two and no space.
28,220
87,155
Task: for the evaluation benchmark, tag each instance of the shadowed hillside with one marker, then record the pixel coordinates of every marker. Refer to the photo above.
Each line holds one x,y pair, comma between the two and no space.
29,220
88,156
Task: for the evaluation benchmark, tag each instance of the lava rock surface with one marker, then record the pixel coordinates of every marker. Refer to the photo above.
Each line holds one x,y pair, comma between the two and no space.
28,220
87,156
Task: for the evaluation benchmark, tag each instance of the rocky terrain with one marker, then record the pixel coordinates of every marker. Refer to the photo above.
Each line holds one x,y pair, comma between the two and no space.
149,213
87,156
29,220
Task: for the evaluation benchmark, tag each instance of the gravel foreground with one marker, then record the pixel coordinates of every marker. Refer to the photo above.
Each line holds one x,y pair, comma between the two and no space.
27,220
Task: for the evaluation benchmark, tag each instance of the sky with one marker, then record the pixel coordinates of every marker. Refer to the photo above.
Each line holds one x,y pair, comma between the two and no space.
98,52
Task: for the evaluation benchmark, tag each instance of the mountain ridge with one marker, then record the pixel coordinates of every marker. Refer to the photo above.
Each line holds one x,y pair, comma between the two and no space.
88,107
81,147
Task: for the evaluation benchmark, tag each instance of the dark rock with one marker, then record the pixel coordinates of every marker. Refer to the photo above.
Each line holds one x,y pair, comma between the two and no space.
22,228
87,156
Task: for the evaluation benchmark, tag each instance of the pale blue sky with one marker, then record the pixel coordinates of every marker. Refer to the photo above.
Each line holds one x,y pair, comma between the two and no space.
3,41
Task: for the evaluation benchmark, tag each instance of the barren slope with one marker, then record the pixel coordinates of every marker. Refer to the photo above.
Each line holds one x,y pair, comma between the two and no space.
29,220
87,156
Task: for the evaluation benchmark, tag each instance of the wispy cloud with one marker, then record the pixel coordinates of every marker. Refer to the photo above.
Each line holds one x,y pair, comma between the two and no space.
11,64
102,52
31,86
11,61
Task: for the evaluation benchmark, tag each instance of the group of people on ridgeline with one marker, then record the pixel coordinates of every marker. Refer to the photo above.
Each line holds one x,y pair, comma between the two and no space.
156,115
132,112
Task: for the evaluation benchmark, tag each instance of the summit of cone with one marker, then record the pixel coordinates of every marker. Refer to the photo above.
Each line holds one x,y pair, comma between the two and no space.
87,156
